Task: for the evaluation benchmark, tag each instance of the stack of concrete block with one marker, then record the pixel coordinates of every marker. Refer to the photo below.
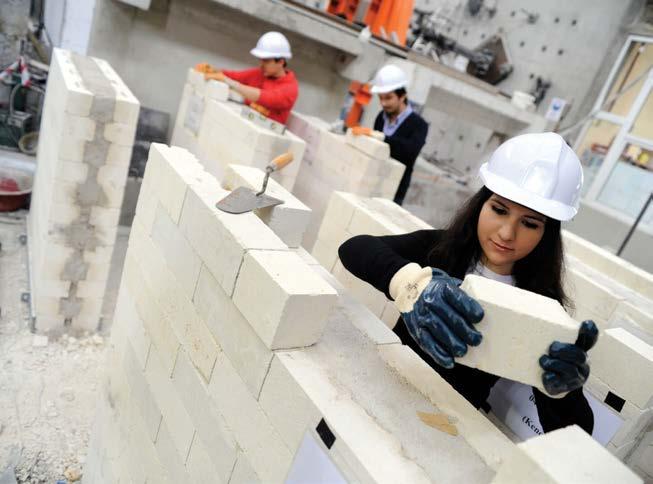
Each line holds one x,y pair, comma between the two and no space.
212,128
605,287
358,165
348,215
618,296
85,143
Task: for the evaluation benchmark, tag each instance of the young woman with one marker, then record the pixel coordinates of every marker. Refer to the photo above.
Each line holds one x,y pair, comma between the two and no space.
508,231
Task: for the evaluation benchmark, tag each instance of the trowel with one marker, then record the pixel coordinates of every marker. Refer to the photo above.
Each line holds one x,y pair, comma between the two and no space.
244,199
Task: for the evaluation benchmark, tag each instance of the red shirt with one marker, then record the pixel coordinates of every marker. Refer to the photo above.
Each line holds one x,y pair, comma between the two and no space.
278,94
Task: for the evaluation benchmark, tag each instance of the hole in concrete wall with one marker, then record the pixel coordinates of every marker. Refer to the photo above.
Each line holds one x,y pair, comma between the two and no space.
478,146
482,36
512,14
522,44
561,51
460,137
574,22
544,48
531,75
556,20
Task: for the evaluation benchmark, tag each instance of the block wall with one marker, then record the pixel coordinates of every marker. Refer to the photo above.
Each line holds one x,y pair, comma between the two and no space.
595,295
348,215
85,143
203,302
230,350
211,126
361,166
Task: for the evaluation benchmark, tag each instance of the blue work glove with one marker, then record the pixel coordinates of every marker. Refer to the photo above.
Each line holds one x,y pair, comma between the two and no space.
438,314
565,366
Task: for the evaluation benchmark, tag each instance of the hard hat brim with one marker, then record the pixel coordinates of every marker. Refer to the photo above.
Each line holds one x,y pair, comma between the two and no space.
551,208
261,54
387,89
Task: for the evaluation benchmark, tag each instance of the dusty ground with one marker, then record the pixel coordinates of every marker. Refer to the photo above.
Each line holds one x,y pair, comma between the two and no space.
48,389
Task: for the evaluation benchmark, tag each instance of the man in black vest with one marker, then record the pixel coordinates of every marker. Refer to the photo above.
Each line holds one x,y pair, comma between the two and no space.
402,128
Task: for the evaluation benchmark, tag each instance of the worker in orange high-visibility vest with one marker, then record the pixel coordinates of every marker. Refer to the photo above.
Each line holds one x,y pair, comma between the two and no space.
271,88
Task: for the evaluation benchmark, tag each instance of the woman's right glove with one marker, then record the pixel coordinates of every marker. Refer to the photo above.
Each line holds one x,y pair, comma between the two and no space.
438,314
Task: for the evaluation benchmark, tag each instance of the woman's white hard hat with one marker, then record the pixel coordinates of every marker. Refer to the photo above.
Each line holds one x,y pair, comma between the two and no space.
272,45
539,171
388,79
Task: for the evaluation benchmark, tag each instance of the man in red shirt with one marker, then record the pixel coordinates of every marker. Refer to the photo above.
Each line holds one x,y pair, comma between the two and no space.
271,88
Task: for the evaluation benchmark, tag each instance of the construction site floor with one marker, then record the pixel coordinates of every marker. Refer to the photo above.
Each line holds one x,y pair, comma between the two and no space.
48,387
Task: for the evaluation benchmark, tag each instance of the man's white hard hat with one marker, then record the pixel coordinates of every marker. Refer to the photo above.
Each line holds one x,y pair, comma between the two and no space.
388,79
272,45
539,171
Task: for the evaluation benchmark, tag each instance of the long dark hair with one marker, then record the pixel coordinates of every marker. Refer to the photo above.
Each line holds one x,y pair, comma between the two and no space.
541,271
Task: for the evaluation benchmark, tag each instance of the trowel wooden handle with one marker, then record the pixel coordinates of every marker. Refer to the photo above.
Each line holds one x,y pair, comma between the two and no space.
280,161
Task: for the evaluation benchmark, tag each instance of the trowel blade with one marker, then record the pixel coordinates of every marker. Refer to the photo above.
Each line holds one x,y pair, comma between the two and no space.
243,200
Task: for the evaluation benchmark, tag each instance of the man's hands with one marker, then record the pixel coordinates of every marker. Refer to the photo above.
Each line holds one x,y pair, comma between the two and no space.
215,76
258,108
204,68
438,314
565,366
361,131
210,73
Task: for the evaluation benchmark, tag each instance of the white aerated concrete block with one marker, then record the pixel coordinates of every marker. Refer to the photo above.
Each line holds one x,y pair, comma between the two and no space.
517,329
264,448
564,455
220,238
286,291
288,220
243,472
239,341
175,417
212,432
216,91
175,304
369,145
625,363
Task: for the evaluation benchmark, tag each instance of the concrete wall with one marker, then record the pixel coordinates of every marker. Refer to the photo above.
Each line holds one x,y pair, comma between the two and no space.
68,23
152,50
13,24
573,52
567,44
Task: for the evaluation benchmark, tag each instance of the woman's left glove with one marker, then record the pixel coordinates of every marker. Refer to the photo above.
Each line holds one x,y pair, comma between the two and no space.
566,365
